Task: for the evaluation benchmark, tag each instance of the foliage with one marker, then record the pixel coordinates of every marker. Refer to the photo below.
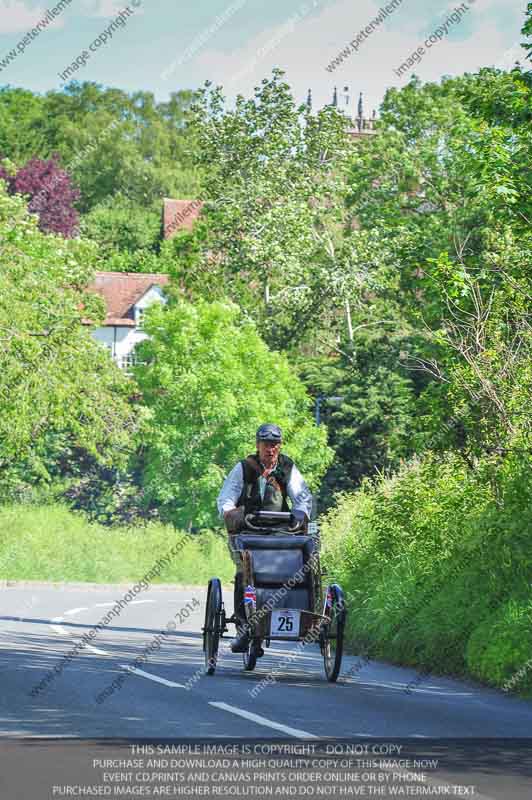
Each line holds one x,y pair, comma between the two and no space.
57,384
50,192
437,555
122,229
50,543
370,424
21,120
436,560
443,190
272,173
209,381
108,140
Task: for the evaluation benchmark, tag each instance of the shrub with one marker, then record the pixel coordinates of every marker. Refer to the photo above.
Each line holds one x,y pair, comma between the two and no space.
437,560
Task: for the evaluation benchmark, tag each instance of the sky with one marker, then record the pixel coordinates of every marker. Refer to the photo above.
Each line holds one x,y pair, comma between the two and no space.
166,45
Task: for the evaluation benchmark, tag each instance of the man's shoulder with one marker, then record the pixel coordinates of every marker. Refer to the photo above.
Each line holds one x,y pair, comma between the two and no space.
285,464
236,470
250,467
284,459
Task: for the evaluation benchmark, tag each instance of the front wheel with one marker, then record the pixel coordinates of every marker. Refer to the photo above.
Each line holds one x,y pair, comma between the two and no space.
333,632
250,658
213,625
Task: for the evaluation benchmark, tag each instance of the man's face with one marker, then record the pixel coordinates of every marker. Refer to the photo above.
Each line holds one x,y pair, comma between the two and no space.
268,452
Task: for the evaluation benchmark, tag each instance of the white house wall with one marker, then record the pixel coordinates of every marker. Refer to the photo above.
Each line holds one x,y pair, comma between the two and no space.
105,336
118,339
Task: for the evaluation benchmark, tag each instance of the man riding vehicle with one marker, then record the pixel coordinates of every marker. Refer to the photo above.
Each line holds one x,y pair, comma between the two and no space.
263,481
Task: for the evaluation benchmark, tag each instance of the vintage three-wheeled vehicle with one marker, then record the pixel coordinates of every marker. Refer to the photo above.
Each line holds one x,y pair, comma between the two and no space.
279,567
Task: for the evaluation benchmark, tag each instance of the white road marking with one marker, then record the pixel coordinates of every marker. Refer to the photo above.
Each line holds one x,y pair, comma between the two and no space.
95,650
57,628
278,726
151,677
62,632
403,686
131,603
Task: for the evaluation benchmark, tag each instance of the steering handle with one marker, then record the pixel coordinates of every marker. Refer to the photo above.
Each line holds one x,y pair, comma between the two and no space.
249,517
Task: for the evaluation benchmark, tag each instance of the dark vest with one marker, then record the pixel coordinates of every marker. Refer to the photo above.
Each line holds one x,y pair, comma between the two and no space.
276,487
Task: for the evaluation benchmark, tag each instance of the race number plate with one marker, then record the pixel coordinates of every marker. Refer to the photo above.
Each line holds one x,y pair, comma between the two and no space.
285,624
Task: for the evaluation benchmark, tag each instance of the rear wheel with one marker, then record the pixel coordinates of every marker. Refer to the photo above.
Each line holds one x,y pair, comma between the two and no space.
213,625
333,633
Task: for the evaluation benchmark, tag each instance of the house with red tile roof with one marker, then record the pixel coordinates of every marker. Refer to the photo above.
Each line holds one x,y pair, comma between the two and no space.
126,295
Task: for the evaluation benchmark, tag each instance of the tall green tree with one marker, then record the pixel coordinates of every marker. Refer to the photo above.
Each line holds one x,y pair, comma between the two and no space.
272,179
108,140
209,381
60,393
443,189
122,230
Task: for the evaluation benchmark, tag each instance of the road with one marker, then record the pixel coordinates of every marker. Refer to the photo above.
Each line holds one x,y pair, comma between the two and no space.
170,697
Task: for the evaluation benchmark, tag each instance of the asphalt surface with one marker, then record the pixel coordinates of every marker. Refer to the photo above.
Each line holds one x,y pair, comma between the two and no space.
170,697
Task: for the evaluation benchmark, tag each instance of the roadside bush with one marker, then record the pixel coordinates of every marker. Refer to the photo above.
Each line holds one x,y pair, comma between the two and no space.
437,560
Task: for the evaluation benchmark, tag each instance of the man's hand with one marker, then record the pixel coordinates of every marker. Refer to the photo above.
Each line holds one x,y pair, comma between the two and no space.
234,519
299,519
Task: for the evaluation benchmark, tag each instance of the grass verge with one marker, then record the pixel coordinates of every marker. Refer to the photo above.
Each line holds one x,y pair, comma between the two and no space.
52,543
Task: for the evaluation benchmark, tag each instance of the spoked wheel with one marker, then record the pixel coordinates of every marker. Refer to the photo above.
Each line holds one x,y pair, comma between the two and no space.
213,625
250,658
333,632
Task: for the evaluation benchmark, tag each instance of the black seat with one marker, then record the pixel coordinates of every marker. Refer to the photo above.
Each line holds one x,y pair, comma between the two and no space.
275,567
269,541
274,561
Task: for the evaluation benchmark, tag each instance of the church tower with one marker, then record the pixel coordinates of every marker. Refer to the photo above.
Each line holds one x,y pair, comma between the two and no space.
360,124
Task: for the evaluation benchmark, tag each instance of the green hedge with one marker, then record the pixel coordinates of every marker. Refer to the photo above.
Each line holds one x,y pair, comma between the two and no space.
437,561
51,543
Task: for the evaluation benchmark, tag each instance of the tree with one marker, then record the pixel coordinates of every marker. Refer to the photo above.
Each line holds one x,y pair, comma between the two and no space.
272,174
50,192
107,139
122,227
444,190
21,118
370,425
60,393
486,325
208,382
